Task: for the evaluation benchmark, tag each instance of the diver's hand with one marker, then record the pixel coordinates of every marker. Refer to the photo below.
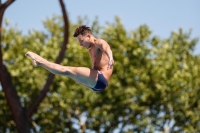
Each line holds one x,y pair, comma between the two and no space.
111,63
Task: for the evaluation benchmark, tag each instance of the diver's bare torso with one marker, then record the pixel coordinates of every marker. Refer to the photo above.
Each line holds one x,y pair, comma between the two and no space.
100,60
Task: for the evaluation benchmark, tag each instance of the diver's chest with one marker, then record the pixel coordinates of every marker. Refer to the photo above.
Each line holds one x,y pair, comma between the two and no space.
94,52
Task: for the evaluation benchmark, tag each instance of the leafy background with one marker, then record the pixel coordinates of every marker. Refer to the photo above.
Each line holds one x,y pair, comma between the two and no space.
154,86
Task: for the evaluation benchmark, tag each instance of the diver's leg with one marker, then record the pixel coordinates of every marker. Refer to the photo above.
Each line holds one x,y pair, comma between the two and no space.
82,75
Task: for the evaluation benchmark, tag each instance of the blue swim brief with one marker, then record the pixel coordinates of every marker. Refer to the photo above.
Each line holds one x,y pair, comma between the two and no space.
101,83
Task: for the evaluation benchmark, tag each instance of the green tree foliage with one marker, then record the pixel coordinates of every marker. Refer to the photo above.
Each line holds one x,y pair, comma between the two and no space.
154,86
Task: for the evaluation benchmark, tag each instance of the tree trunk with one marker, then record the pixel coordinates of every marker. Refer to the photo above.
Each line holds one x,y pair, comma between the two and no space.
13,101
11,96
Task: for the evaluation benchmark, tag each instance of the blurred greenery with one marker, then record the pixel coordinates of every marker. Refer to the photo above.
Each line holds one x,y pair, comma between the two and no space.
154,86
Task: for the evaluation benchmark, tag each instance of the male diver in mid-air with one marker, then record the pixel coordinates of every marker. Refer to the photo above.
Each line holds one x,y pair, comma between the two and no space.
95,78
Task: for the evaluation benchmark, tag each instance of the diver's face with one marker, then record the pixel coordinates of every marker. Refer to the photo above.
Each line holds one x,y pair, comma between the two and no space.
84,40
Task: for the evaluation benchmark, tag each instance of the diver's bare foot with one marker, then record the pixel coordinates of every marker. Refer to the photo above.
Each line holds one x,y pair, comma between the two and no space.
37,60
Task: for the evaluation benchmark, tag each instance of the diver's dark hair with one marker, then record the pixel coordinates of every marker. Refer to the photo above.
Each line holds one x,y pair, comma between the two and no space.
82,30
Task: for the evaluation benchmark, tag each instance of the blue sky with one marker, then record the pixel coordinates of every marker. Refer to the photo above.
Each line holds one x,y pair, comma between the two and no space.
162,17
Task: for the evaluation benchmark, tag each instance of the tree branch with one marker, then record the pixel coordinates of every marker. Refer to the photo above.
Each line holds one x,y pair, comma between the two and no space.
6,4
2,10
60,57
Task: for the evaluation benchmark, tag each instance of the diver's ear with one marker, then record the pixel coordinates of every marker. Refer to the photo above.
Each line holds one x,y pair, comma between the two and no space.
88,35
